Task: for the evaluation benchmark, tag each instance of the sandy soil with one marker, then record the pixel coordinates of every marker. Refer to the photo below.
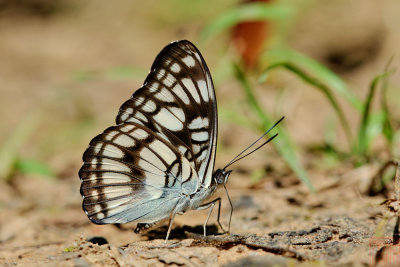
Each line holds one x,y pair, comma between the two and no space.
58,78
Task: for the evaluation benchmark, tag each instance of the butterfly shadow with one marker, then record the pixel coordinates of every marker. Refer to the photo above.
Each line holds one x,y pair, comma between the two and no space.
179,232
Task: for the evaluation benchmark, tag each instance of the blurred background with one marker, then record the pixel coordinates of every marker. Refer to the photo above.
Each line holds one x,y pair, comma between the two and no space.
66,67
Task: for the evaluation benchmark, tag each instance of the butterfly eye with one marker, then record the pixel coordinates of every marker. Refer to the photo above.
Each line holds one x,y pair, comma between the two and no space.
221,176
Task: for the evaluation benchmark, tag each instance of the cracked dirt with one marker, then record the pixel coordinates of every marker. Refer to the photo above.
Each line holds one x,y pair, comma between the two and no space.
65,70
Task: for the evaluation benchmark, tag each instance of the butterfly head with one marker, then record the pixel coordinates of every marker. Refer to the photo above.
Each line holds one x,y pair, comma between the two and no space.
221,176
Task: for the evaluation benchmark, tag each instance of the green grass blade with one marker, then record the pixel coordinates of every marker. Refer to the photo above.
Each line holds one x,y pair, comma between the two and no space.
10,148
317,84
31,166
387,130
235,117
117,73
363,136
322,73
284,146
120,73
247,12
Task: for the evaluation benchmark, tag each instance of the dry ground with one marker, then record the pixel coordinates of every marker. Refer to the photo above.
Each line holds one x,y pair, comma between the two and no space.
57,71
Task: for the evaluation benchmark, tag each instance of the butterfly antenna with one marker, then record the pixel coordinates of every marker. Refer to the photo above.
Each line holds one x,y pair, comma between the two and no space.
251,152
239,156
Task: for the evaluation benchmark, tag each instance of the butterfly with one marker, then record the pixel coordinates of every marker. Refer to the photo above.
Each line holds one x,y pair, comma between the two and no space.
158,160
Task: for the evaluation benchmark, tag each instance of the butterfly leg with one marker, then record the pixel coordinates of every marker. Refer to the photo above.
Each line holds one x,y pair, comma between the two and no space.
211,205
230,215
171,220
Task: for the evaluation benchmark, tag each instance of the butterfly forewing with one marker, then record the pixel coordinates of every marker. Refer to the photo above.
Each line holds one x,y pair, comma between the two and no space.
163,145
177,100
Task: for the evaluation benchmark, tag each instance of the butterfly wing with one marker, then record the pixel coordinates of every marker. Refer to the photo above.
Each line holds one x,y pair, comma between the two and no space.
178,101
162,146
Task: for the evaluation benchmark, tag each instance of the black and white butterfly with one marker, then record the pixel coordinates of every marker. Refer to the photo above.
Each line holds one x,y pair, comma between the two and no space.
158,160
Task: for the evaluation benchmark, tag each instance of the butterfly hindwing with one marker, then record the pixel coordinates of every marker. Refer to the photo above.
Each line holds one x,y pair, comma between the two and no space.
128,167
163,145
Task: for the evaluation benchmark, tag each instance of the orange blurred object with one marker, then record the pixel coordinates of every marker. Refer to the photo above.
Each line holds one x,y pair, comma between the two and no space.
249,38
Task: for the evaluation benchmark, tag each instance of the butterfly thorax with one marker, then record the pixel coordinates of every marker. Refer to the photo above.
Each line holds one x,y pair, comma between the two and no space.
194,200
201,195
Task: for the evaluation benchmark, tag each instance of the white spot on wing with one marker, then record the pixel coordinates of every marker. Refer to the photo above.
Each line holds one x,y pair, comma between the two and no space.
182,149
159,129
198,56
97,148
127,128
112,165
138,100
202,156
165,95
154,180
112,178
175,169
149,167
200,136
202,170
153,87
140,116
124,116
113,151
149,156
178,90
176,68
188,83
189,61
203,89
185,170
124,140
97,208
141,134
110,135
149,106
161,74
178,112
116,191
169,80
166,119
198,123
92,177
163,150
196,148
135,120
